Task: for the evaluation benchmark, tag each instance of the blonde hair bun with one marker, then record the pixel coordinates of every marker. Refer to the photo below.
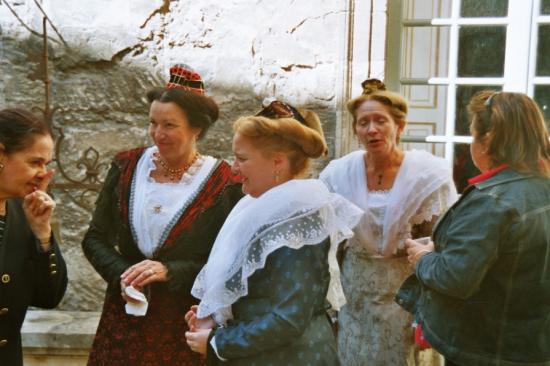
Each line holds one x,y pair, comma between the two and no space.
317,147
372,85
301,141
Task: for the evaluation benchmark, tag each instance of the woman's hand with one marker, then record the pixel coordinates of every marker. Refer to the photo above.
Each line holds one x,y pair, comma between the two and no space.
143,273
126,297
195,323
38,207
197,340
417,250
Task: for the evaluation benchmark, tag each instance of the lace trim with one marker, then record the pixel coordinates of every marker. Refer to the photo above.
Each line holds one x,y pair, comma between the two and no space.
306,228
433,205
310,226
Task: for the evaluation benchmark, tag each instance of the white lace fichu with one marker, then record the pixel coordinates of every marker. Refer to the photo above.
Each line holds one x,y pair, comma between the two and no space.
421,177
293,214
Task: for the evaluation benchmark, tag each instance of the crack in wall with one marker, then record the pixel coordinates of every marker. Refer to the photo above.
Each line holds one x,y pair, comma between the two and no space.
313,18
289,68
163,9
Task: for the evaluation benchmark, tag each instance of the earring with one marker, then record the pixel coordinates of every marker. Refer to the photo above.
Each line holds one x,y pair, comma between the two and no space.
277,177
1,167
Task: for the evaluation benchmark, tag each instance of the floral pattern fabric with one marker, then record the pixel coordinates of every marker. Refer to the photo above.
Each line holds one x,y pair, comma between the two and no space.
372,328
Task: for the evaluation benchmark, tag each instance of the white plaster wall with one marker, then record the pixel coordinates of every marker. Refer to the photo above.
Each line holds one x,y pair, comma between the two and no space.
245,50
292,49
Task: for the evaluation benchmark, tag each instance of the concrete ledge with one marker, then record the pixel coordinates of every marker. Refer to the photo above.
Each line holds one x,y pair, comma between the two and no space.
60,338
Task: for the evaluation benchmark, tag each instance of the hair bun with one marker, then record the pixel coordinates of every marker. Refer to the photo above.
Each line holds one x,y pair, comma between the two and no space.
372,85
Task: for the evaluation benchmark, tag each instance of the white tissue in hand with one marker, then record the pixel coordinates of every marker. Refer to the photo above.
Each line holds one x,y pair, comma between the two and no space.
136,308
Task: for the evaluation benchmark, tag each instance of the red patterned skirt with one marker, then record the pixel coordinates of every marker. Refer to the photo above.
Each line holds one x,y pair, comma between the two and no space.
156,339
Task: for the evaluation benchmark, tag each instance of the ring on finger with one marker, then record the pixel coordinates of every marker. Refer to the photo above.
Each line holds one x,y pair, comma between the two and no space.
151,272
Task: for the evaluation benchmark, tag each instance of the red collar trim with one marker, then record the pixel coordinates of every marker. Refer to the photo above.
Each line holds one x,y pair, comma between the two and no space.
488,174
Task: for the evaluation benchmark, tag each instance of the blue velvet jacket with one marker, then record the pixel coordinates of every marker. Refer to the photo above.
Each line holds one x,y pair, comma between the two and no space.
483,296
282,320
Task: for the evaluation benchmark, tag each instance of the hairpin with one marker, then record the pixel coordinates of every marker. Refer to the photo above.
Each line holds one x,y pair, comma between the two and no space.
274,108
489,101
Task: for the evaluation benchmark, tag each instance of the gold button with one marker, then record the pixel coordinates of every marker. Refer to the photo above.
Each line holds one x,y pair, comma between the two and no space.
6,278
53,265
52,256
3,342
53,273
4,311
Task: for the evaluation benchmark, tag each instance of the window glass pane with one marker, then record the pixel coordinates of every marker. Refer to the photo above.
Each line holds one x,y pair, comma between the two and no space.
542,97
484,8
429,44
463,95
543,49
463,166
481,51
545,7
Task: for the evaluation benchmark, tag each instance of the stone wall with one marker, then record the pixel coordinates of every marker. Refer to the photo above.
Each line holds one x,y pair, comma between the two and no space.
117,49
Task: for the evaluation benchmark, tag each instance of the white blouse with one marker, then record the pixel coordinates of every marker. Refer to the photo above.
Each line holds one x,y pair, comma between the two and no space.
378,202
156,207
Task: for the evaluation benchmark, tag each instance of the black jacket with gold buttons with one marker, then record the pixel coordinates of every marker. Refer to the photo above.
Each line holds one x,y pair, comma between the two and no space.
28,277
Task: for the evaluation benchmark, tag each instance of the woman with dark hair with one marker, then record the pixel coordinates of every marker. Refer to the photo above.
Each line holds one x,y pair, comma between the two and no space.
32,270
155,222
481,289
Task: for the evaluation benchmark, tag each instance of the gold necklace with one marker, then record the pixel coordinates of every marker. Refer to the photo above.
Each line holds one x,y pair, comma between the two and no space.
172,174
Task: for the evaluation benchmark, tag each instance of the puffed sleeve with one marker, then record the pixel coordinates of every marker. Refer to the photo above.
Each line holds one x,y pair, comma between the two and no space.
101,238
299,279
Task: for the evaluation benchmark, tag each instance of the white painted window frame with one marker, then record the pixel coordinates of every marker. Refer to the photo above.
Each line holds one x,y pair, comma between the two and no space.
519,67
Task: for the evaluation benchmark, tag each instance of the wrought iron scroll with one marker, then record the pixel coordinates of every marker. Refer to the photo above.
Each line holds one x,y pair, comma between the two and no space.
79,190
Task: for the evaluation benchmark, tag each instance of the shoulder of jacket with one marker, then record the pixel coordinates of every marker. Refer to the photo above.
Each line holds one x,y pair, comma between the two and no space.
123,157
506,177
223,170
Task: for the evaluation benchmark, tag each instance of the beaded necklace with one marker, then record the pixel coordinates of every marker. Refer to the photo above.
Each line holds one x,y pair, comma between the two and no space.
174,174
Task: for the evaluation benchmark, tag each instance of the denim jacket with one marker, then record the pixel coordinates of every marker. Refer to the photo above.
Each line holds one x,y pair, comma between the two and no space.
483,296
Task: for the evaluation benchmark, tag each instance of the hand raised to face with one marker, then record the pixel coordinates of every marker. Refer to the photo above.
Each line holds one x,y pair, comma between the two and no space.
38,207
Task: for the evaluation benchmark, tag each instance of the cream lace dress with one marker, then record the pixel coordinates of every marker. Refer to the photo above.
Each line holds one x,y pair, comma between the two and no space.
372,328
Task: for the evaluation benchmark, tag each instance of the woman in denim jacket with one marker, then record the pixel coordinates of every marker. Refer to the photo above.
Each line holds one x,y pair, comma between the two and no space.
482,288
